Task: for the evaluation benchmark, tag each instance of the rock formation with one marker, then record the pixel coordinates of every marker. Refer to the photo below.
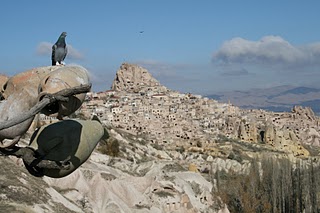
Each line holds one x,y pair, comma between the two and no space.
305,113
185,118
166,148
133,78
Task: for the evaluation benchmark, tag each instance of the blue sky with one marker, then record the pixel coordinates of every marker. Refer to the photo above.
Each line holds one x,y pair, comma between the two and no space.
201,46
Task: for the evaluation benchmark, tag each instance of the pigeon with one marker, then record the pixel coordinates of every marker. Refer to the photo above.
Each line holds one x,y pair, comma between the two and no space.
59,50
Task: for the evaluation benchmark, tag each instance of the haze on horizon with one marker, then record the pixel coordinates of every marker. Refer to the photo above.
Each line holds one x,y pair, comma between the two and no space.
201,47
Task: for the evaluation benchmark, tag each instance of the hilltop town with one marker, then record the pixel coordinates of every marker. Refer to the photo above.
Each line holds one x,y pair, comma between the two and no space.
138,104
173,152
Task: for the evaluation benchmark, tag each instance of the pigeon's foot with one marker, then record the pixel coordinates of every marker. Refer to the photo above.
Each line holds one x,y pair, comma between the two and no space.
60,64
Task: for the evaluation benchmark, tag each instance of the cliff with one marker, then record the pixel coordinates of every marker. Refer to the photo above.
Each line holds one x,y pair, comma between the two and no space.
133,79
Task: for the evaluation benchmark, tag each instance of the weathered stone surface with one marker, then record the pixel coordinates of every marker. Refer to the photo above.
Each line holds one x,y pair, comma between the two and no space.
161,132
16,104
3,81
306,113
19,94
21,192
63,78
30,78
133,78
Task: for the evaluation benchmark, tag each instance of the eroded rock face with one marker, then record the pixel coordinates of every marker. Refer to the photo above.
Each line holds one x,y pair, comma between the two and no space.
3,81
133,78
305,113
160,189
30,78
287,141
102,186
16,104
22,192
280,138
248,132
63,78
19,94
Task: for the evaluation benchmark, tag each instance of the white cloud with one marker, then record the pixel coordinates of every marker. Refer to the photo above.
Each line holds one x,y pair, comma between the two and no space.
269,50
45,48
74,53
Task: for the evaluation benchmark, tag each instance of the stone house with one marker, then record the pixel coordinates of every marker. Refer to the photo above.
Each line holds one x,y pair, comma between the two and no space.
116,110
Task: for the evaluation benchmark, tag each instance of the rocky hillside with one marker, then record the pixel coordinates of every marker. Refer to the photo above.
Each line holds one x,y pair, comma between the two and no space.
172,152
187,121
139,179
128,174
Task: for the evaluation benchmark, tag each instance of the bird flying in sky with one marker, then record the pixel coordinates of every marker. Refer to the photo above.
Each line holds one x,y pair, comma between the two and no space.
59,50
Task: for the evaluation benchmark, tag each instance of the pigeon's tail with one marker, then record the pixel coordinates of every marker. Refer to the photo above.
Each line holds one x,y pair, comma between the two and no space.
53,62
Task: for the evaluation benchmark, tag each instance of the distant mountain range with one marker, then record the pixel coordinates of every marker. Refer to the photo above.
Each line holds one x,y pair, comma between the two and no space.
277,99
